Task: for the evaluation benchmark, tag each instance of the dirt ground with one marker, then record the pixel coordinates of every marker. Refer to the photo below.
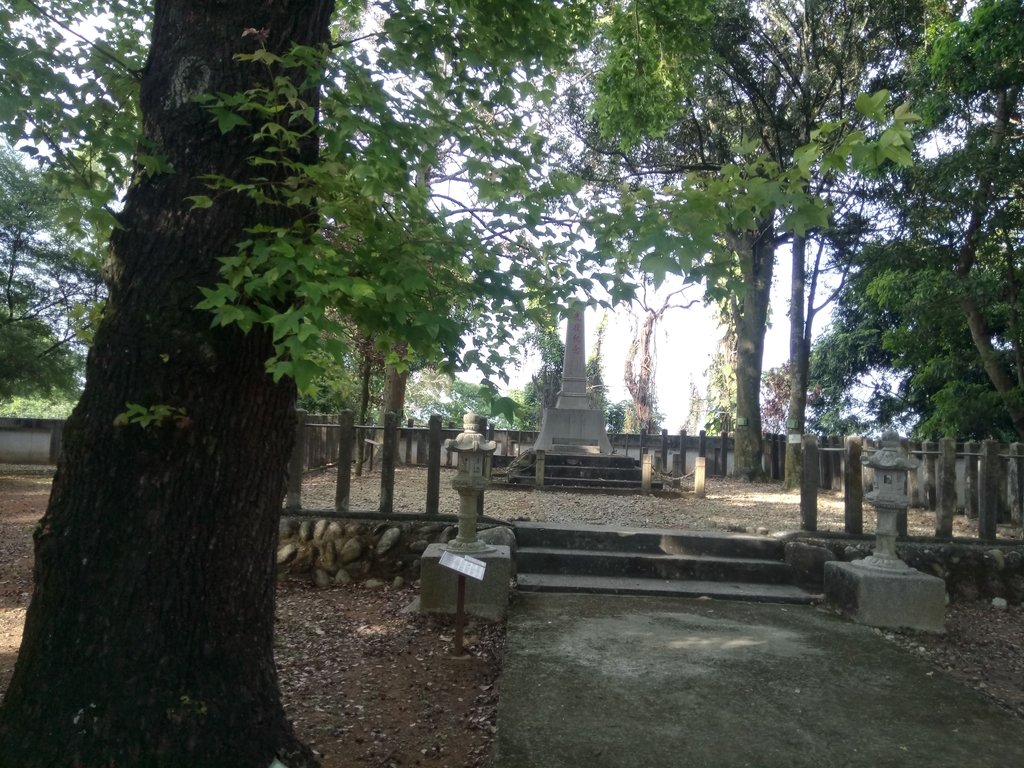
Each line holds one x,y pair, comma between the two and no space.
368,683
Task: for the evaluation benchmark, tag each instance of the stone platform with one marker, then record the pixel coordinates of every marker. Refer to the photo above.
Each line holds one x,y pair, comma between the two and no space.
487,599
900,598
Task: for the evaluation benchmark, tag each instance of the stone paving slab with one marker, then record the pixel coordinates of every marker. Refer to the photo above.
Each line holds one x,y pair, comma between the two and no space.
626,585
599,681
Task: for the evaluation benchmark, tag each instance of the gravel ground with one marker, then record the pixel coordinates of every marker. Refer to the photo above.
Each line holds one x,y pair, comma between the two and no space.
728,505
368,683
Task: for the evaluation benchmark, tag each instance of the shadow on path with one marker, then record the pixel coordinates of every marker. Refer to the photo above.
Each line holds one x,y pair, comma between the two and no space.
599,681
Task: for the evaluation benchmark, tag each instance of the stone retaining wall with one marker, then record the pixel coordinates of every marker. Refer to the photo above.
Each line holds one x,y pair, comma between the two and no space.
336,551
971,571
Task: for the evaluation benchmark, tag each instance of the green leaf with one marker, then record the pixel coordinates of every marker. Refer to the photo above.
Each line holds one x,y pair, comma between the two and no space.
226,120
200,201
872,105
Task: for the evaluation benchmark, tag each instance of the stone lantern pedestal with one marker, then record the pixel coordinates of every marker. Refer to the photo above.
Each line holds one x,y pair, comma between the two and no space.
486,598
882,590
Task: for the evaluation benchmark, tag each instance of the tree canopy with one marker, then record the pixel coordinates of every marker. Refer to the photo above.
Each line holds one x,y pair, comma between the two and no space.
49,286
948,238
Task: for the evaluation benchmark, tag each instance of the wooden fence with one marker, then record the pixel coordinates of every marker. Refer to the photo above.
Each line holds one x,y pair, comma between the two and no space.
674,454
983,480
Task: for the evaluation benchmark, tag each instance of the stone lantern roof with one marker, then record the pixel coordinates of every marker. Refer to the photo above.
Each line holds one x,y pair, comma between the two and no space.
889,457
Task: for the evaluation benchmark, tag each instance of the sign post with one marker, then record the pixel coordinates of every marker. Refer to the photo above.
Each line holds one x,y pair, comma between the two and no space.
464,566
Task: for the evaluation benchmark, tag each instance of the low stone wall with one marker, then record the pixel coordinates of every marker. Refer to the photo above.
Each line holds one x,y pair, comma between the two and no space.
338,551
972,571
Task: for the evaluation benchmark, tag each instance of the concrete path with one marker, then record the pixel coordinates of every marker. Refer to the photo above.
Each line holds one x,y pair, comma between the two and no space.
598,681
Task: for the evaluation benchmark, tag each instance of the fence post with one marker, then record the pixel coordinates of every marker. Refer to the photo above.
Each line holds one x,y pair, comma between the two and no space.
906,449
1014,480
988,508
331,437
971,493
387,463
836,456
930,494
434,465
360,447
825,463
293,499
408,442
681,456
699,469
310,438
946,489
664,451
702,445
853,486
914,477
724,445
809,484
538,468
346,436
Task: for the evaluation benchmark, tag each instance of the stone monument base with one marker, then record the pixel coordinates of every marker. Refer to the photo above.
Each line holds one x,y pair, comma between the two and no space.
573,430
891,598
487,599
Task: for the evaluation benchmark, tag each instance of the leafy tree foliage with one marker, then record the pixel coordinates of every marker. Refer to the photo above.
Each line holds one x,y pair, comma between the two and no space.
596,389
715,127
431,391
953,243
776,384
542,390
49,285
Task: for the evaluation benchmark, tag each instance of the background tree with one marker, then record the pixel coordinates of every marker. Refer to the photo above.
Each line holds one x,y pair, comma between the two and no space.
49,286
640,365
776,385
597,391
542,390
952,239
705,131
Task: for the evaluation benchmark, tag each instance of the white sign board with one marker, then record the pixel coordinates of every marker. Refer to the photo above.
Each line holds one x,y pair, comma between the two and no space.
794,438
464,564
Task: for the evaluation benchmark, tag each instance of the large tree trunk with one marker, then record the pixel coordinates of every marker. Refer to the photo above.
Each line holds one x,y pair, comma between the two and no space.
395,383
148,641
756,251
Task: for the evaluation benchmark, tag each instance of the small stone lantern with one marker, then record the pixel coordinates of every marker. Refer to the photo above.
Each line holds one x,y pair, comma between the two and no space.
889,499
471,479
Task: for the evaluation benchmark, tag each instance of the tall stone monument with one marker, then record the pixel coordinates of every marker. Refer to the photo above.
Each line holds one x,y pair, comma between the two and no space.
572,426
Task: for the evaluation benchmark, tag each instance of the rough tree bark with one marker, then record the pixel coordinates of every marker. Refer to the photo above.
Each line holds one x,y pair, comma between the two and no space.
756,252
148,641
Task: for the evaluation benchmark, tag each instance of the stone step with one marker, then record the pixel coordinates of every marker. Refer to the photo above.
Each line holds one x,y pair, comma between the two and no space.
609,473
546,560
618,585
602,538
589,460
585,482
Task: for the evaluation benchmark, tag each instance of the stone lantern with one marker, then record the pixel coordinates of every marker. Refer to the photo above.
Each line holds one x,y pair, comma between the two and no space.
889,499
882,590
472,477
